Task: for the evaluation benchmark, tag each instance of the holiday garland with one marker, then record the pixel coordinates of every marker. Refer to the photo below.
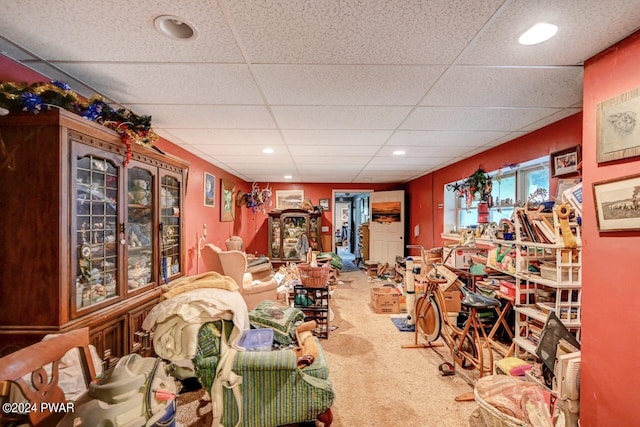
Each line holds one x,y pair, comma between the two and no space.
41,96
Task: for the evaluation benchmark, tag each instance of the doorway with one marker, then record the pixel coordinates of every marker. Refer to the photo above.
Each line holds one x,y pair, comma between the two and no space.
351,211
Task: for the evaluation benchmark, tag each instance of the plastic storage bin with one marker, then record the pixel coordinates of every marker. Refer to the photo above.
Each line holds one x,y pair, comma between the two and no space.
257,339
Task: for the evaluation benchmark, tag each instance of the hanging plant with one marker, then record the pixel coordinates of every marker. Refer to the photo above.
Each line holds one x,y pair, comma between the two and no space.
478,186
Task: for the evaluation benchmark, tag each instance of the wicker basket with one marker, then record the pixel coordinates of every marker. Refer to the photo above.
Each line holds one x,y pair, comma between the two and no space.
493,417
313,277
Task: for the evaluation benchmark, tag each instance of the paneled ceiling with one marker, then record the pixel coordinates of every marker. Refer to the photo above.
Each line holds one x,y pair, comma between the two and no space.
334,87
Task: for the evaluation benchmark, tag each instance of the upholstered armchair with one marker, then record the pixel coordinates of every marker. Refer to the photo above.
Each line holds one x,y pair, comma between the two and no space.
234,264
258,265
265,388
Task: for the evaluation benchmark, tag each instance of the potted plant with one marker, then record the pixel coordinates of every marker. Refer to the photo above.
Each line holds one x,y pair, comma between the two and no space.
478,187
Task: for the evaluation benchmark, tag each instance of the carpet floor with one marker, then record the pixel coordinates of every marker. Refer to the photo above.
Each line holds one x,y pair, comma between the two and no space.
376,381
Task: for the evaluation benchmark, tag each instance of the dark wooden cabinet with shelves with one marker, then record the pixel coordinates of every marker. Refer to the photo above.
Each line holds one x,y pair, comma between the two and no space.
87,238
287,231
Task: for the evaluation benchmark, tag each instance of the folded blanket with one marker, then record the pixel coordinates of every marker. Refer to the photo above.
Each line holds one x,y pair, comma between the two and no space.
210,279
178,319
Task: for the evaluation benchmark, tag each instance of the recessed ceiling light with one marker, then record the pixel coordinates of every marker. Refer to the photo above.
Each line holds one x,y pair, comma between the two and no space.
267,150
175,27
288,177
399,153
539,33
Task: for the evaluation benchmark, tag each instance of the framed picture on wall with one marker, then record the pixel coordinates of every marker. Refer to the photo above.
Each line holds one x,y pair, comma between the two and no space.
227,205
565,162
324,204
617,129
289,199
617,203
344,214
209,190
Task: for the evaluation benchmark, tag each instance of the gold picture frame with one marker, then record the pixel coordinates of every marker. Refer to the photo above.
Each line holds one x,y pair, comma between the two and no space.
617,127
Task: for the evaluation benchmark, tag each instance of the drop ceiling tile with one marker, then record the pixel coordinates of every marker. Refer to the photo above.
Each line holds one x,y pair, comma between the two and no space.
206,116
323,166
552,118
426,138
7,48
510,87
336,151
336,137
346,84
258,137
356,32
343,117
117,30
583,31
474,118
222,150
430,152
54,73
327,161
402,161
170,83
257,162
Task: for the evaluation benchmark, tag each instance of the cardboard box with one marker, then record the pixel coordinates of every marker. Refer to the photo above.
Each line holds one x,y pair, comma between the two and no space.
461,258
385,300
452,301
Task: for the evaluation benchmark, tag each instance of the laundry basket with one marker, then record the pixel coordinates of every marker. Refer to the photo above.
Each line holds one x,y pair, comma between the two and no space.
313,277
493,417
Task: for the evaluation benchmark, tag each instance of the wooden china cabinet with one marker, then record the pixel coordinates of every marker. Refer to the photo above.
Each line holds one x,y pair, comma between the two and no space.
86,239
287,227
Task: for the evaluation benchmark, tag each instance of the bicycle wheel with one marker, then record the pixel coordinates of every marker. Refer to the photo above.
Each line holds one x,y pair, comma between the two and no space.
428,318
469,347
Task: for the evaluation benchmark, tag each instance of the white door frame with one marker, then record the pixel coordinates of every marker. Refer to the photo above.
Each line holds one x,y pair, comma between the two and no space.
333,207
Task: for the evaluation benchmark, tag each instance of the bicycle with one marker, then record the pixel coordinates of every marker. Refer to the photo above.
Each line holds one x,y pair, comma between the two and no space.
467,344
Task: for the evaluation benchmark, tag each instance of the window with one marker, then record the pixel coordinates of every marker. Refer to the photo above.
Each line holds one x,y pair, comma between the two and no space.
511,187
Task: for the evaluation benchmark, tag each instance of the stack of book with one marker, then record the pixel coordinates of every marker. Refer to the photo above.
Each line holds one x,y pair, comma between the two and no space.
536,226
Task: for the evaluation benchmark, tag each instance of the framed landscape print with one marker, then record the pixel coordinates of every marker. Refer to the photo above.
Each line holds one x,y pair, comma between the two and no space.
617,129
289,199
617,203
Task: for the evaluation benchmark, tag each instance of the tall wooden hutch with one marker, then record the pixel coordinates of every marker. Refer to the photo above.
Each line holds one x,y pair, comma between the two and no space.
86,239
286,230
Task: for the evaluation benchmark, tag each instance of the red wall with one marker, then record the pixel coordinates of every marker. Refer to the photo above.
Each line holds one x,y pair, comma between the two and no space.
426,193
610,296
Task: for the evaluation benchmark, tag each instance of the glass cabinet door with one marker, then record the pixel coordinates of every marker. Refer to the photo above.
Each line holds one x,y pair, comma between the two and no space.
295,241
140,202
275,237
97,230
170,222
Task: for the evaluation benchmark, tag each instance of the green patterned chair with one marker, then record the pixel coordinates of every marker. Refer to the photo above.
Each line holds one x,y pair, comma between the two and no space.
274,389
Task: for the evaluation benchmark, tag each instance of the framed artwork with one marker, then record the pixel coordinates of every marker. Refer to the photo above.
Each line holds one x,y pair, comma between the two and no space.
289,199
324,204
227,202
344,214
209,190
617,203
565,162
617,130
564,185
386,211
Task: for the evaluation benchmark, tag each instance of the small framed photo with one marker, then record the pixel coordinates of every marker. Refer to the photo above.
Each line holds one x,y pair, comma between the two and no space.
565,162
617,127
324,204
209,190
617,203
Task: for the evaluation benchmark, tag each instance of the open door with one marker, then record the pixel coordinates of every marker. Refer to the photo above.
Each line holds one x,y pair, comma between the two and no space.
386,228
